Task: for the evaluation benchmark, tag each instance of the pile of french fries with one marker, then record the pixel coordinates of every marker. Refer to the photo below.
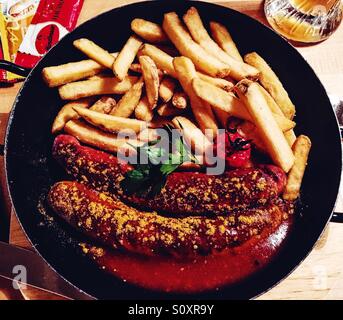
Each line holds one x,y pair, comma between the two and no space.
181,74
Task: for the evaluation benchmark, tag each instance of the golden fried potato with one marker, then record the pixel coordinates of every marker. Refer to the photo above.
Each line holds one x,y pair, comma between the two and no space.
301,149
272,84
125,57
148,30
95,52
166,89
202,110
238,69
129,101
222,36
104,105
189,48
263,118
111,123
87,88
97,138
143,110
151,79
226,102
68,113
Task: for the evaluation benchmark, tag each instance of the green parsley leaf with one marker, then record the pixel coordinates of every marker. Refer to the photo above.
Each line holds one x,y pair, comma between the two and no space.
150,178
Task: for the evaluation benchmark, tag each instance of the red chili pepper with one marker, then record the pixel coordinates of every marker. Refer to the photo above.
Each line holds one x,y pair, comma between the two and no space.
234,148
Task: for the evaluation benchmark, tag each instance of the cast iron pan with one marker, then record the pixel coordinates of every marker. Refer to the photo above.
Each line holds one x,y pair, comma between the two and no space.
31,171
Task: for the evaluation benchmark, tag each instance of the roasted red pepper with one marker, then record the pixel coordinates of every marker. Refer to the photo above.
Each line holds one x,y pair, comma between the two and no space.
234,148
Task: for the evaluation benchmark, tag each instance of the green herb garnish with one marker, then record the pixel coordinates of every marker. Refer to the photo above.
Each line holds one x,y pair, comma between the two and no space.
150,178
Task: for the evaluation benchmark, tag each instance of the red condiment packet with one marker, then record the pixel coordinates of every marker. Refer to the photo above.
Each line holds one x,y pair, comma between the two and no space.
53,20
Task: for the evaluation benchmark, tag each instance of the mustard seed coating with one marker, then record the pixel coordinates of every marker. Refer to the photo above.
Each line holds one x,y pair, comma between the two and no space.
184,193
119,226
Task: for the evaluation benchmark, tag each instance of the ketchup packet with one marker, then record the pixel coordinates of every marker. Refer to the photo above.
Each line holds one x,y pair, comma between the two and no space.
53,20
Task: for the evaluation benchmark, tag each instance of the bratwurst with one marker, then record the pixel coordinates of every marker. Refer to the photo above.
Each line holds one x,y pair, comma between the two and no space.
119,226
187,193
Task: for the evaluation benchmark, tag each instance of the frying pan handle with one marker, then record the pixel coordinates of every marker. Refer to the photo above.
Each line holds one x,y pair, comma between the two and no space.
337,217
14,68
337,104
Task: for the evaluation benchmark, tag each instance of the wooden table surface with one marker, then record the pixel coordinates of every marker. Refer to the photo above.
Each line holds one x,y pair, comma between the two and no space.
320,276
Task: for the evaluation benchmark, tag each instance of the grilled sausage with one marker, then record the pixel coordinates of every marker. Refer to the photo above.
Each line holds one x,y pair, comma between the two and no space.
117,225
184,192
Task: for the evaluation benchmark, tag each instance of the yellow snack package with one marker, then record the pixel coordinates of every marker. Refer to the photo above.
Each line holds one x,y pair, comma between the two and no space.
18,15
4,52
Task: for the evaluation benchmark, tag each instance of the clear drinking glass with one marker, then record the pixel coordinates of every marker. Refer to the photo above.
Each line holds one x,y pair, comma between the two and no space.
304,20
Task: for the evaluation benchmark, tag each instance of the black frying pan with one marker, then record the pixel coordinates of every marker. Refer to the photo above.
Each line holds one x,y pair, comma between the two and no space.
30,169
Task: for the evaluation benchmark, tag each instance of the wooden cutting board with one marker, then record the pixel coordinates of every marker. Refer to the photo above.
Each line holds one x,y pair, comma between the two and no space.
320,276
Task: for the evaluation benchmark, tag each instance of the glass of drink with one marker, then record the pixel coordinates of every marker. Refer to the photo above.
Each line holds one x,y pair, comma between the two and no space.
304,20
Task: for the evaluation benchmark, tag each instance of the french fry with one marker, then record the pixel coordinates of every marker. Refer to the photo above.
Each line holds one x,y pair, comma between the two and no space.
95,52
59,75
166,89
189,48
151,79
129,101
263,118
68,113
222,36
111,123
136,67
219,82
97,138
103,105
250,132
202,110
69,72
101,86
238,70
223,103
290,137
289,134
273,106
148,30
192,135
180,100
143,110
162,59
168,110
125,57
222,116
101,76
226,104
272,84
165,62
301,149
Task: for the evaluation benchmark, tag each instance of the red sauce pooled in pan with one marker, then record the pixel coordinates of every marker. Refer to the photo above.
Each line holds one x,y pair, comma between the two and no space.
202,273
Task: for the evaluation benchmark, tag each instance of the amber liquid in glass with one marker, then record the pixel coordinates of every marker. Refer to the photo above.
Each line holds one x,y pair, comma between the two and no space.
304,20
